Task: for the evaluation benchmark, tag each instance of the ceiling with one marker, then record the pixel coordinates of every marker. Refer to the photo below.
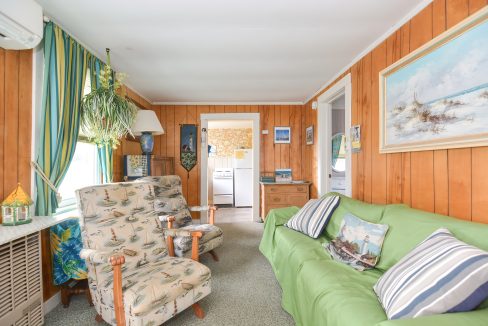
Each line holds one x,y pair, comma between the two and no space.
228,51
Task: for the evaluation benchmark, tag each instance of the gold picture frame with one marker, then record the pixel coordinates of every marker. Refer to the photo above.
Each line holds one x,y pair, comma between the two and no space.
453,119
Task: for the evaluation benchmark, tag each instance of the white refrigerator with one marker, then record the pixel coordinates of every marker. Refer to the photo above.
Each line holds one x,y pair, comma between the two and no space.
242,163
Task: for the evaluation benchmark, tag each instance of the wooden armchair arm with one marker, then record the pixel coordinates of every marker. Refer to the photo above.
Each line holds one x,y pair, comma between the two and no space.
167,218
116,261
211,219
195,235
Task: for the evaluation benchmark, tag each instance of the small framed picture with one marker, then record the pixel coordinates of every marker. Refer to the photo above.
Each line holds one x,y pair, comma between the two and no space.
282,135
356,138
309,135
283,175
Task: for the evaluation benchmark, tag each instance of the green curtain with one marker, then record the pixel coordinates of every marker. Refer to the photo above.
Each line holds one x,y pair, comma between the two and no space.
105,158
65,67
105,161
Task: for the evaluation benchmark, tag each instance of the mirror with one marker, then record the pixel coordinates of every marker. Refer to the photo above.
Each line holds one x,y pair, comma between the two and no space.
338,152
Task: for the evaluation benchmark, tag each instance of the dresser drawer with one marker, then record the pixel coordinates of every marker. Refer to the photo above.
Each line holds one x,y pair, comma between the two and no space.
289,199
286,189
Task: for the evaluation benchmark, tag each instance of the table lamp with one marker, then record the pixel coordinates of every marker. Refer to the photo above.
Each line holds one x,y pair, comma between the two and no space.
147,125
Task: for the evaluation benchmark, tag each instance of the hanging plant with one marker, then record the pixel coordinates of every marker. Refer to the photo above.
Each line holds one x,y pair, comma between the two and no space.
107,116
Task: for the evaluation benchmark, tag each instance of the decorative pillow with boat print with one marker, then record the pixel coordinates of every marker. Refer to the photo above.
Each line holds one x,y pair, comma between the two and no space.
169,199
358,243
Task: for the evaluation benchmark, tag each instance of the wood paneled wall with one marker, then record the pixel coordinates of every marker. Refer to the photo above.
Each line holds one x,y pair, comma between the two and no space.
16,128
451,182
15,120
272,156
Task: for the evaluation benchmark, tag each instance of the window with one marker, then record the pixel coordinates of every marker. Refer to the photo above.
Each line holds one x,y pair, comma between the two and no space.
83,170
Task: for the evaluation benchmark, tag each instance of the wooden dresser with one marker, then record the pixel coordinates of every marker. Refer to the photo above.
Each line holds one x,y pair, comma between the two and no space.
276,195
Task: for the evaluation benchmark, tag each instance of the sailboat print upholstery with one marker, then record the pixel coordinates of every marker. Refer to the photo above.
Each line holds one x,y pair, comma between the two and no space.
120,219
170,201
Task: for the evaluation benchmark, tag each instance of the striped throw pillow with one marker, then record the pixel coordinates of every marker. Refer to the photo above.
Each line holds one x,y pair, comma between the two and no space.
314,216
441,274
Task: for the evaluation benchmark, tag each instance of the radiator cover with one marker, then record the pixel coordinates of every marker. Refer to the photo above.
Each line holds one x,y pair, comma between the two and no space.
20,282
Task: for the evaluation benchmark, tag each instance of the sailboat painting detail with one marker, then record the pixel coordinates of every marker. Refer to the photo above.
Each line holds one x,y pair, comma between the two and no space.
437,97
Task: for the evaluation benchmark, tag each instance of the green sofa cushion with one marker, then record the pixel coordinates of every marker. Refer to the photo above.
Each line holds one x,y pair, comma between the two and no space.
332,293
409,227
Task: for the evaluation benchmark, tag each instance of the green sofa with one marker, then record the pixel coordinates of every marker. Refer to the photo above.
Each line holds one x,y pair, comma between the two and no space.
320,291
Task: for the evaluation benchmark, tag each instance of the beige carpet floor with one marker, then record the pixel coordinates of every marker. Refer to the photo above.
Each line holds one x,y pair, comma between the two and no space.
244,288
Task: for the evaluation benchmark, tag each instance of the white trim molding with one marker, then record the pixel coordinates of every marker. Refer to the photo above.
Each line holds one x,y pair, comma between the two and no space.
228,103
51,303
254,117
324,120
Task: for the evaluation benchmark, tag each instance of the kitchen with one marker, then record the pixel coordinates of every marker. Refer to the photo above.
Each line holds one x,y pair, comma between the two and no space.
230,164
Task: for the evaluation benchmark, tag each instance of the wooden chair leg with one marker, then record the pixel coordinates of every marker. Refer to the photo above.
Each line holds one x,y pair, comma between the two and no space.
99,318
65,297
89,298
198,310
214,255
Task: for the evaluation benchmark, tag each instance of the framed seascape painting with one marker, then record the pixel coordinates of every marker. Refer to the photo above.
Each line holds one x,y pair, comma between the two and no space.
282,135
437,97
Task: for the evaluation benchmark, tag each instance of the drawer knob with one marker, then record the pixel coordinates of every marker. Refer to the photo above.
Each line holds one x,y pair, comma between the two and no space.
276,199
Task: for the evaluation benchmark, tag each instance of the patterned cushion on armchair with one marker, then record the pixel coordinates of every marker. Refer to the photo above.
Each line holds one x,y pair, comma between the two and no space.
120,218
169,198
170,201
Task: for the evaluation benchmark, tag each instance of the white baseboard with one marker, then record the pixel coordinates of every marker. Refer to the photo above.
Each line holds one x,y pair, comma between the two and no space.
52,302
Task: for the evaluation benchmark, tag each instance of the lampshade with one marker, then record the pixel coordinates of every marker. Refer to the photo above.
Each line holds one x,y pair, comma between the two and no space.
147,121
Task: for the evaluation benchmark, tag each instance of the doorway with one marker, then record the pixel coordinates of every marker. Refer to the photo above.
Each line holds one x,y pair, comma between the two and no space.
229,172
334,123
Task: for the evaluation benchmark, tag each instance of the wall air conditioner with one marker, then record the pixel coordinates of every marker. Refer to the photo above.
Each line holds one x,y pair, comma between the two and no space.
20,24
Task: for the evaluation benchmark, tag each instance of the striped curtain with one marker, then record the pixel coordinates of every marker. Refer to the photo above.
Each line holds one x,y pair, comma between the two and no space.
105,162
65,67
105,158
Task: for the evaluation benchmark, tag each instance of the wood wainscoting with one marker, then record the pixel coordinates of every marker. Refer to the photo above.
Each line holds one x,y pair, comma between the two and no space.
451,182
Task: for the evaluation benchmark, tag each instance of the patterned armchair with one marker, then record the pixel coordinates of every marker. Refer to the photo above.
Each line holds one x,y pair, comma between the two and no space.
132,277
173,209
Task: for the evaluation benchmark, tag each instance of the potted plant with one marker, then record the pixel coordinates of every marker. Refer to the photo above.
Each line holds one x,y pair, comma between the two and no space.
107,116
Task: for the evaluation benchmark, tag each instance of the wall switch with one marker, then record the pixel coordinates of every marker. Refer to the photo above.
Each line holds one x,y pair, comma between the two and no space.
265,132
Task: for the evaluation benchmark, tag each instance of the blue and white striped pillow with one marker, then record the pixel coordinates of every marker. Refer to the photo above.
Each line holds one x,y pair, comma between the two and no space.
314,216
441,274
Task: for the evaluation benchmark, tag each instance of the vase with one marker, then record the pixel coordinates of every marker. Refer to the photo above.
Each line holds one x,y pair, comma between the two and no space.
147,142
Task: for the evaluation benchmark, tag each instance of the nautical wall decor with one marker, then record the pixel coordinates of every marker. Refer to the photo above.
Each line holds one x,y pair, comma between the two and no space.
437,97
188,146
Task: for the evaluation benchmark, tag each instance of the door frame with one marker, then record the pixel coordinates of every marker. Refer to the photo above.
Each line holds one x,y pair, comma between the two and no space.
204,118
342,87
